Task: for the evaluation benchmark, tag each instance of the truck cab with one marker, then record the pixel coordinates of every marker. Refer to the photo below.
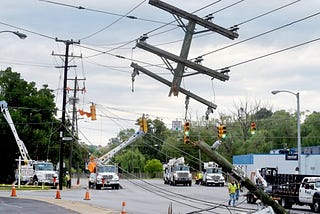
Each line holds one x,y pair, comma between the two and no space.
105,176
44,173
309,192
213,174
180,175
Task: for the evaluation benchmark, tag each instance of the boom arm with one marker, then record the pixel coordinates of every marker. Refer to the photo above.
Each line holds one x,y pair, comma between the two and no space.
107,157
23,150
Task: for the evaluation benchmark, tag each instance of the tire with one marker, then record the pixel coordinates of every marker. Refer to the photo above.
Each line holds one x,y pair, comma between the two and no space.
98,186
285,203
190,183
316,206
116,186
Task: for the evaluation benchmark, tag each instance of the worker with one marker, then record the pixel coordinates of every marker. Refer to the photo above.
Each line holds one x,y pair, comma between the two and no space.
199,178
92,165
68,180
238,189
232,187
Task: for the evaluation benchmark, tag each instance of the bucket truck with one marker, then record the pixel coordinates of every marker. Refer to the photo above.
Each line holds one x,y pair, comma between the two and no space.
102,175
177,172
33,172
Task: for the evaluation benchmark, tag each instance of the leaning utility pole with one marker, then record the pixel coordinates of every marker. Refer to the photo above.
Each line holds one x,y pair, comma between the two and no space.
63,119
181,60
238,174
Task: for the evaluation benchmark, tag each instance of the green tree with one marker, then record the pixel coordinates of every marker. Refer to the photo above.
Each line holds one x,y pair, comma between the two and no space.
152,166
310,130
33,113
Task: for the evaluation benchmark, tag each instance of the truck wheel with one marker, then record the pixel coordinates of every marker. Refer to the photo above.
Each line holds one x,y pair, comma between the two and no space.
285,203
98,186
190,183
316,206
117,186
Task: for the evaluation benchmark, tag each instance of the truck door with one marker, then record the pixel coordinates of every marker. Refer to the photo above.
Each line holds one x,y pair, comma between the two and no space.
305,192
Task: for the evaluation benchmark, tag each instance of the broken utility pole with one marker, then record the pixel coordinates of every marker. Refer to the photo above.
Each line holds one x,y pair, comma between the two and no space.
182,60
239,175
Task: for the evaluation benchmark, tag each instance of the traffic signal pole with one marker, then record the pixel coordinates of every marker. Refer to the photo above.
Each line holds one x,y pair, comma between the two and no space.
239,175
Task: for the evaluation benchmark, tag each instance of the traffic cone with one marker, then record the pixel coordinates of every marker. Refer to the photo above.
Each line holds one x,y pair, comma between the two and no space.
87,196
123,206
58,196
13,191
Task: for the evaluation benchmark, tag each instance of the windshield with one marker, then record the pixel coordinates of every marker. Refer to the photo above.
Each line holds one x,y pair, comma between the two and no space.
107,169
213,170
43,167
181,168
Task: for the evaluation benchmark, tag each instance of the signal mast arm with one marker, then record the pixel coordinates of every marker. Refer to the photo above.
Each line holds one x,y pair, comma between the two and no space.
23,150
107,157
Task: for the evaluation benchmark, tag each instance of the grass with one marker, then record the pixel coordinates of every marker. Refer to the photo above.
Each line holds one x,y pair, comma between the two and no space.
24,187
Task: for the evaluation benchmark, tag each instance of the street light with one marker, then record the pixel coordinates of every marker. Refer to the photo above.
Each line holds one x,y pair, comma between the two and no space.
298,124
20,35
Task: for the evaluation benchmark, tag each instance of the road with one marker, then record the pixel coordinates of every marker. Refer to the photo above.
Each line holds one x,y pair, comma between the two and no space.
143,197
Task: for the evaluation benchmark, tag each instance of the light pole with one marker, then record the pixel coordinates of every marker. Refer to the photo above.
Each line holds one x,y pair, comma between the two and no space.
20,35
298,124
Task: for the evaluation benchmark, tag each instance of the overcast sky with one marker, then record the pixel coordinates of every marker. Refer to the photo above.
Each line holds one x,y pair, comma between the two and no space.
285,34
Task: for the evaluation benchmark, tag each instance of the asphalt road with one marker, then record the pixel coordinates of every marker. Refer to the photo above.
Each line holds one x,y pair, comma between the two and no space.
140,196
29,206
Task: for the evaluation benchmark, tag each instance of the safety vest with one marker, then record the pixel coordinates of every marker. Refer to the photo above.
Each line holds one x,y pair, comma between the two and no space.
232,187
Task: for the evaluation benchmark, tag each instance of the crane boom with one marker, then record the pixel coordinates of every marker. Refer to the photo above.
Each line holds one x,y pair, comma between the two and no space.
107,157
23,150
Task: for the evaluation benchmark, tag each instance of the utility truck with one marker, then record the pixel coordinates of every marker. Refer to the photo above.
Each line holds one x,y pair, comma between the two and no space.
103,175
289,189
177,172
32,172
212,174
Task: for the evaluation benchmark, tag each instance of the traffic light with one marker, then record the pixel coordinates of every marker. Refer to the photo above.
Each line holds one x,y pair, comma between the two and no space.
93,112
222,131
186,133
253,128
143,124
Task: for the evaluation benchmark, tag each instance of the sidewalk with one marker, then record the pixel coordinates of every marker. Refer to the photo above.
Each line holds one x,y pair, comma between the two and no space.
79,207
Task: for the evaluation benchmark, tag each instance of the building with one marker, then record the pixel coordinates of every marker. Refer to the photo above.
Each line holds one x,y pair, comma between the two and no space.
285,160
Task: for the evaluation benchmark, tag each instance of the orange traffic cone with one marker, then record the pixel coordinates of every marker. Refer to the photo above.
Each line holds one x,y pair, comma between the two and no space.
87,196
58,196
13,191
123,206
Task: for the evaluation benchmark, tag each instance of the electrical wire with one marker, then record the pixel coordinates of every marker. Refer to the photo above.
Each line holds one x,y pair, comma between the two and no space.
117,20
262,34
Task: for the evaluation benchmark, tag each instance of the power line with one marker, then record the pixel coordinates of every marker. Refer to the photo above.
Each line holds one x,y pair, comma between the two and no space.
117,20
29,31
273,53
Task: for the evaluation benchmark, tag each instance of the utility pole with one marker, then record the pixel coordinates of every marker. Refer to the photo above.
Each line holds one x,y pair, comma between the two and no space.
63,119
74,123
181,60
